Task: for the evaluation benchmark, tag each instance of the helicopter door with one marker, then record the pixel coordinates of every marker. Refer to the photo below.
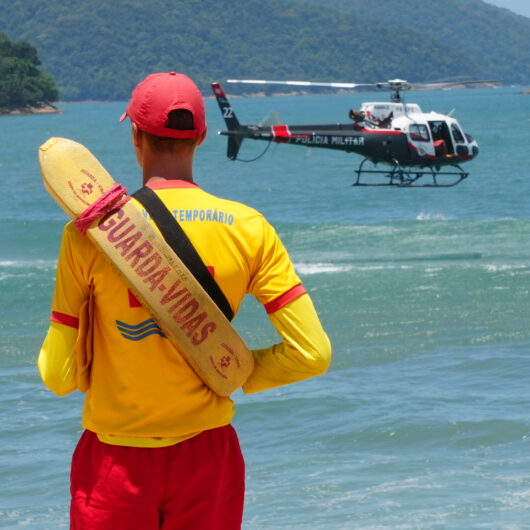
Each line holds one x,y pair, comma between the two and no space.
420,139
460,141
443,143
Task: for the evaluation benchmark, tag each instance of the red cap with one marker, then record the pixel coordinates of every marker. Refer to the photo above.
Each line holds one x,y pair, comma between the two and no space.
157,95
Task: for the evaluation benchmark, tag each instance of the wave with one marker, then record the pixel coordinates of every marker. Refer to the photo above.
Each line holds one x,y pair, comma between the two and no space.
319,268
23,270
28,264
507,267
426,216
330,268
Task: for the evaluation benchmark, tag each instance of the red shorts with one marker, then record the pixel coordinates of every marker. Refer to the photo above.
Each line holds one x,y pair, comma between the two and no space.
198,484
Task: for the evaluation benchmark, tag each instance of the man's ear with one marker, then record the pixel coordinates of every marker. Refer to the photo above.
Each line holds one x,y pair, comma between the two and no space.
201,137
136,135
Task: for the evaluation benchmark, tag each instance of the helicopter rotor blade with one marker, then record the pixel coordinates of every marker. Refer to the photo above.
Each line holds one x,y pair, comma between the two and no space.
300,83
449,84
401,83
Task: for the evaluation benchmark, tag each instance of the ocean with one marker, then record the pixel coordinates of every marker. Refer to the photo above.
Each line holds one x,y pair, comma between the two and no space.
422,421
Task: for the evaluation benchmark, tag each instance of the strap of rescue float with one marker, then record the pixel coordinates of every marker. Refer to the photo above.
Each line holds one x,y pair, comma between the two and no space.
177,239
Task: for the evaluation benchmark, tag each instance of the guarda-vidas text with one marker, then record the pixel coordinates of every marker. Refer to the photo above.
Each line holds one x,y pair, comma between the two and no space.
146,263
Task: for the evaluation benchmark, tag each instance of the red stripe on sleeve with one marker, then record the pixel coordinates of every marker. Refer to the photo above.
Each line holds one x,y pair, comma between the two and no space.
284,299
66,320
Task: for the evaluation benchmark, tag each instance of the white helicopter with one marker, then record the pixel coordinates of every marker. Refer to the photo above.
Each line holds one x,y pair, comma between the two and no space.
397,134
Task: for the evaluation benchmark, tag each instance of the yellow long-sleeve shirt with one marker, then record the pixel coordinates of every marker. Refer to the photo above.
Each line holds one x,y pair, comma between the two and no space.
141,391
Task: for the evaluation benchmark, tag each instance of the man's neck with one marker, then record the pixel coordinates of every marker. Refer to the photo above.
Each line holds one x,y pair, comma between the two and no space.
168,167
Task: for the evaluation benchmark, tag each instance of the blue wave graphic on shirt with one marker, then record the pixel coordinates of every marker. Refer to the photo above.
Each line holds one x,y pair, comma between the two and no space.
139,331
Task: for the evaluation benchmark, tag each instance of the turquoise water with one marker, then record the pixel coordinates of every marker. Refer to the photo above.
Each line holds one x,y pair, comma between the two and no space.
422,421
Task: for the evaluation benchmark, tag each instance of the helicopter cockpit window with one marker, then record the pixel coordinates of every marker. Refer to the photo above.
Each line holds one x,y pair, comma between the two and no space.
457,134
419,133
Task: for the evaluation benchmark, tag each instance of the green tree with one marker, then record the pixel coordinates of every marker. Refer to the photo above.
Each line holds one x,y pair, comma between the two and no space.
22,81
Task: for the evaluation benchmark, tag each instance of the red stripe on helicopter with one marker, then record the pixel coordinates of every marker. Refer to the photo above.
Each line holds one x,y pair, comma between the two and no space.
433,157
217,89
282,134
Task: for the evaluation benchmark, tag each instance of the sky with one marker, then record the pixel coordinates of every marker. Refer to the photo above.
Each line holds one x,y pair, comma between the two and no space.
521,7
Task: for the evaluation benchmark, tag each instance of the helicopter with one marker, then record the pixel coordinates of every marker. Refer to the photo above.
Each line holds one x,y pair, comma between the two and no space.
410,143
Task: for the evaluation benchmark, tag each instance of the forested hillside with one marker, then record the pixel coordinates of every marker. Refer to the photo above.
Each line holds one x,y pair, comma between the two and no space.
496,40
100,49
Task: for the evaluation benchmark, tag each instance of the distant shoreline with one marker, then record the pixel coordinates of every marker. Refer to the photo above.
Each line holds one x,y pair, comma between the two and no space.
37,108
48,108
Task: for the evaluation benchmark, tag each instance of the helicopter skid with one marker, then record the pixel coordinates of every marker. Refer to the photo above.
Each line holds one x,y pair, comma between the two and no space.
409,177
